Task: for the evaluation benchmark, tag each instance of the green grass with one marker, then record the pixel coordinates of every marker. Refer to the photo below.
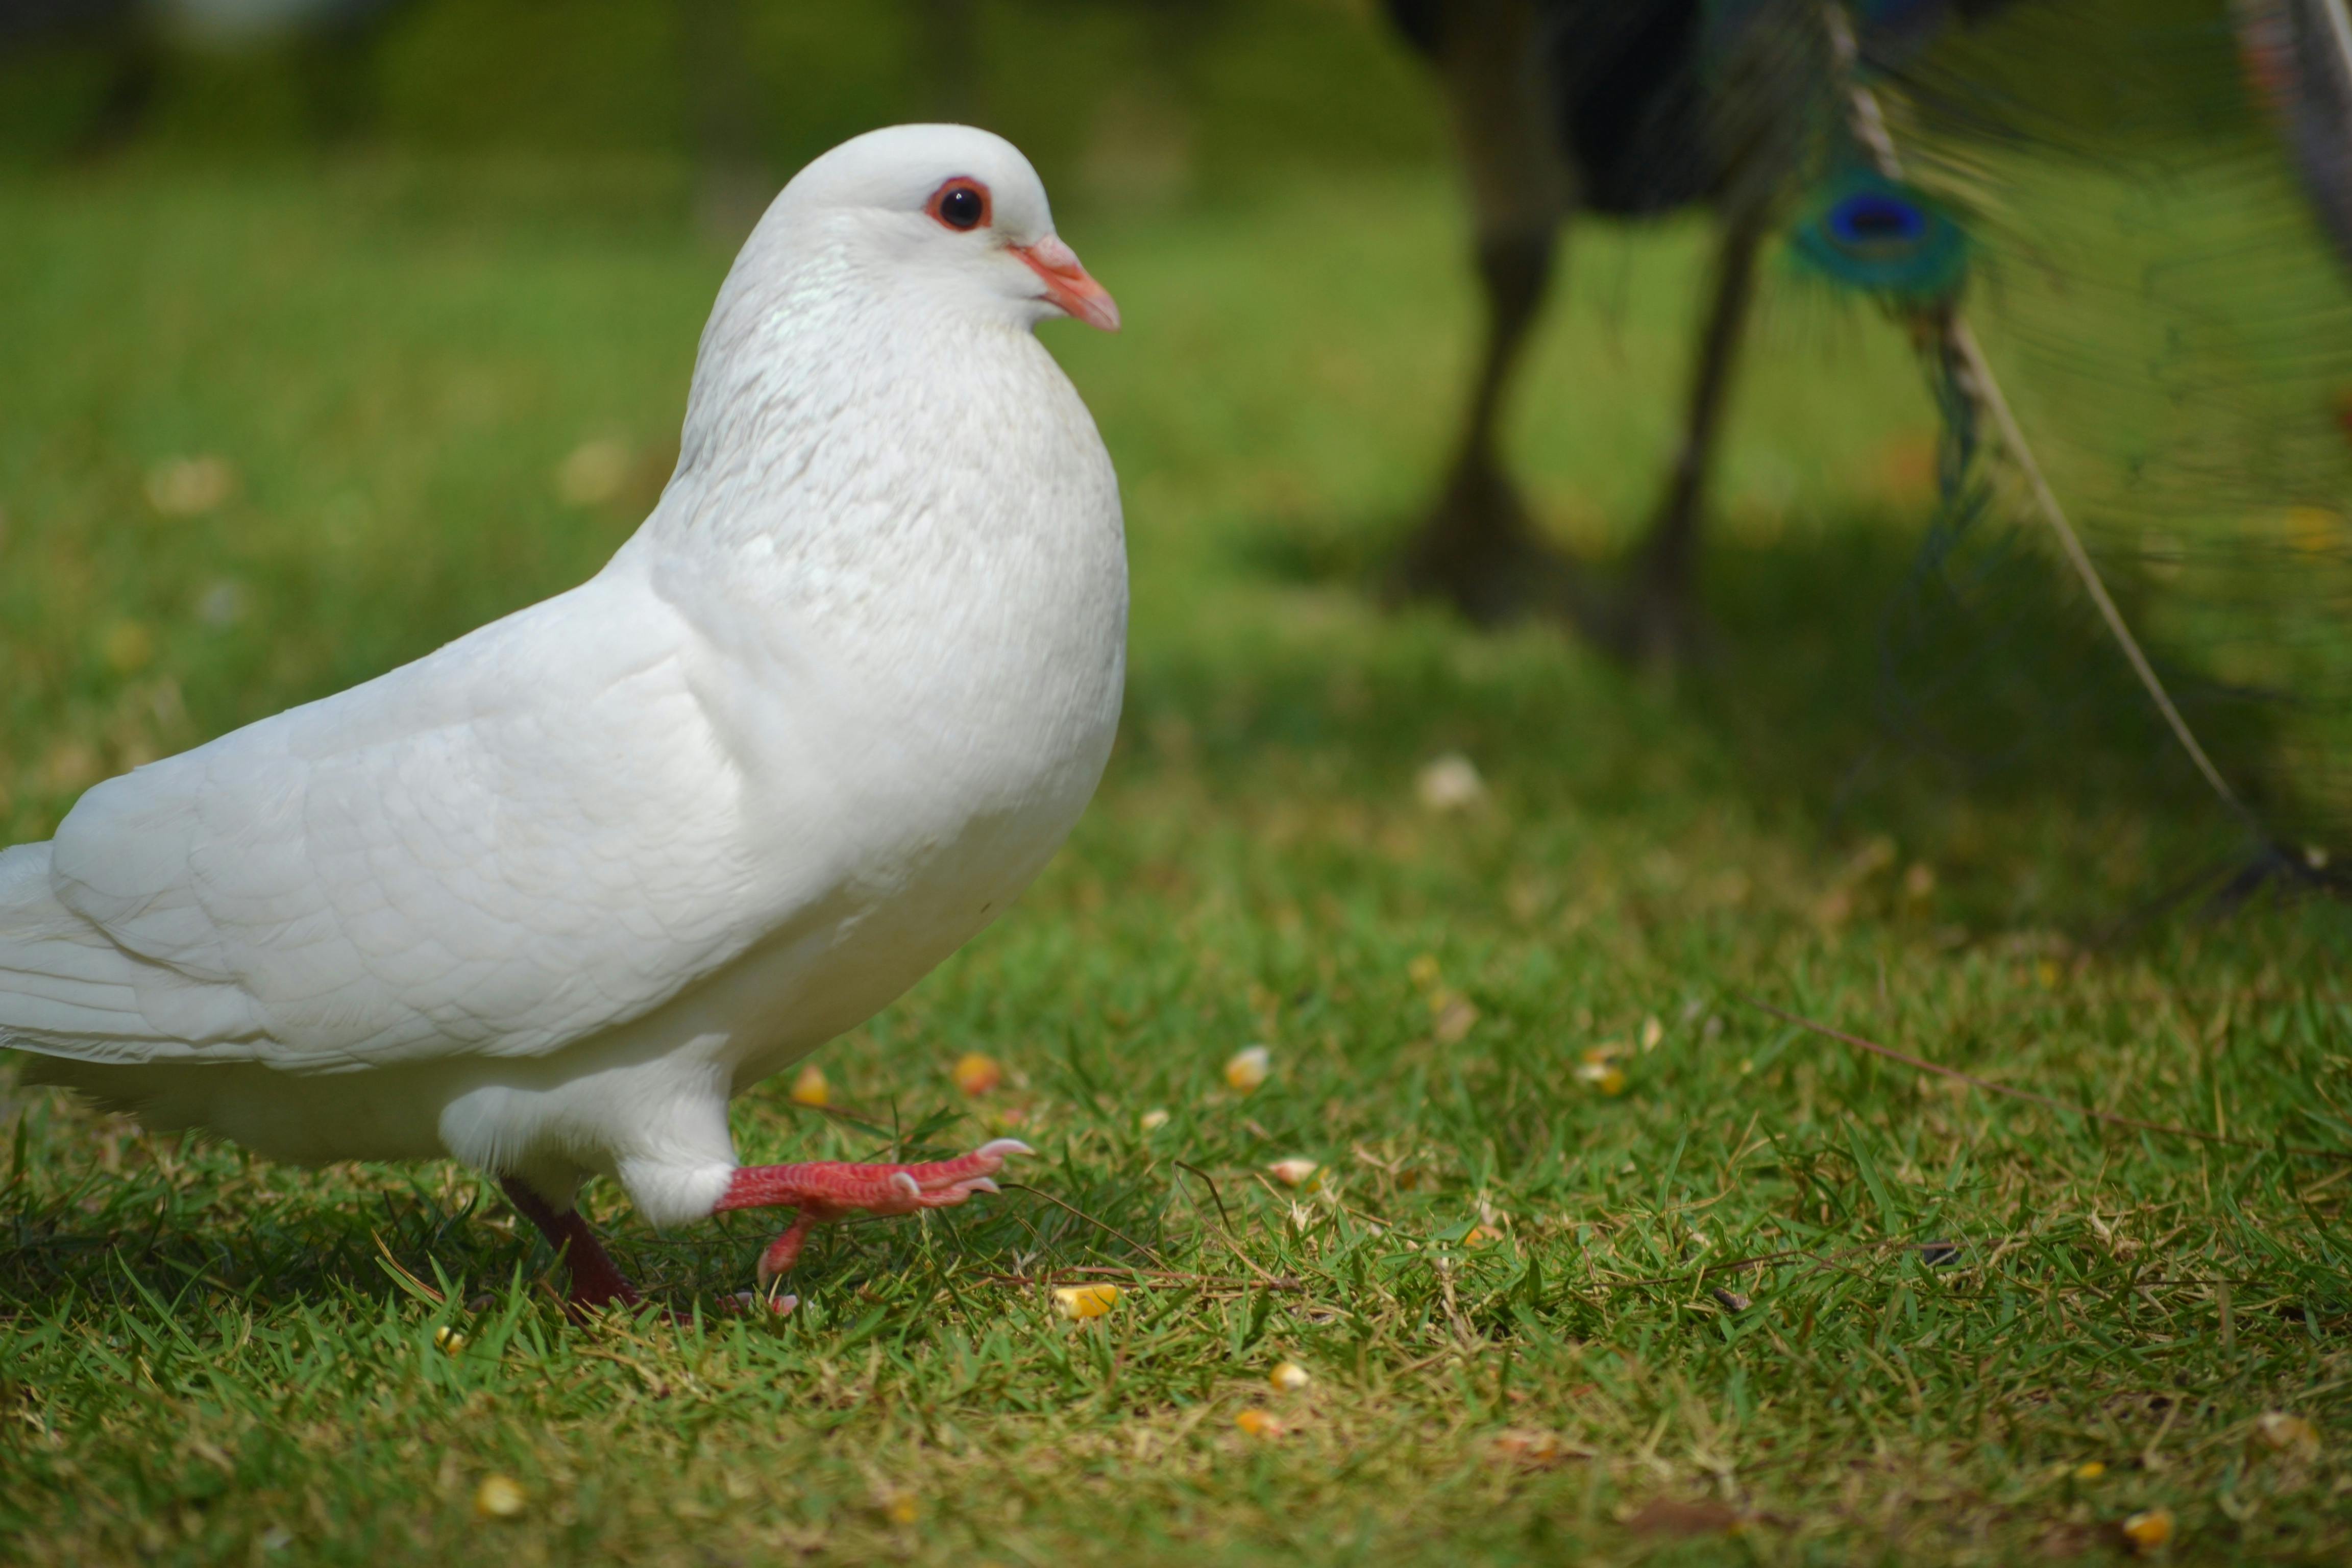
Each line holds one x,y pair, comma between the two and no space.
209,1359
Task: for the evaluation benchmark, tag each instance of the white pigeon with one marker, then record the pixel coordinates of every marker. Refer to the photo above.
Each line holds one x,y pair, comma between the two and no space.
546,899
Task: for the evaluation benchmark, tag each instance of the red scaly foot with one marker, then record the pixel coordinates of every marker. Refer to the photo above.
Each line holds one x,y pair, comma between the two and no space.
825,1191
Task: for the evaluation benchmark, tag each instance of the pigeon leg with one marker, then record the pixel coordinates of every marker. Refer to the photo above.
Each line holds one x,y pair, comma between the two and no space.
596,1280
824,1190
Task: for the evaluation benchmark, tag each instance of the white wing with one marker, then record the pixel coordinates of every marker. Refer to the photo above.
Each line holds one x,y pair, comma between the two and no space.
523,839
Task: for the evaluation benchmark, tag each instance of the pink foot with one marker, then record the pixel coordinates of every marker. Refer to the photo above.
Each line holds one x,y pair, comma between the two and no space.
825,1191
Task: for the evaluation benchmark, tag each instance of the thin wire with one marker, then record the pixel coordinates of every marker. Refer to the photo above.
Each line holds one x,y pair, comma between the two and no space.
1988,391
1870,129
2339,26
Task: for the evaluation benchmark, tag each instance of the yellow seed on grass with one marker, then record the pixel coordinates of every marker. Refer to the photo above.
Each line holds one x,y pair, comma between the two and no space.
1449,785
593,473
128,647
1260,1423
1079,1302
975,1073
1152,1120
449,1339
2316,530
810,1088
1289,1377
1606,1077
1294,1173
2089,1470
499,1496
1249,1068
1529,1448
903,1508
2149,1530
190,486
2281,1431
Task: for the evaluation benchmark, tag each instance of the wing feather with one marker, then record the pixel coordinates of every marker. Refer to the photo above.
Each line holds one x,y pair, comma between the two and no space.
527,837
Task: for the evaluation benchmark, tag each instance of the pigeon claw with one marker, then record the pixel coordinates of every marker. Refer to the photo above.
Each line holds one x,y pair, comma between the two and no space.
822,1192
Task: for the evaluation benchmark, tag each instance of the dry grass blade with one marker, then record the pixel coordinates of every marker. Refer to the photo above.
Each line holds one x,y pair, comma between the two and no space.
1990,1087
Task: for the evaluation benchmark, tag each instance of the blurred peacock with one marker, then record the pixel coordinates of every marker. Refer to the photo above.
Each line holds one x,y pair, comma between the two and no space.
2118,234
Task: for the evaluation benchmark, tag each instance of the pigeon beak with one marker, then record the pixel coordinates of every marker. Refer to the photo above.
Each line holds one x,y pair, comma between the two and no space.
1067,284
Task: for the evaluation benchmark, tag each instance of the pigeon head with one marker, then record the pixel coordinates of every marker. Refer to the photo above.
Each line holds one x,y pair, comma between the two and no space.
955,211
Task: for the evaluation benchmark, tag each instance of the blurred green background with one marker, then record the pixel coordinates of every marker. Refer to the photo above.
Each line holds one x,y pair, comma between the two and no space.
317,352
1138,101
328,344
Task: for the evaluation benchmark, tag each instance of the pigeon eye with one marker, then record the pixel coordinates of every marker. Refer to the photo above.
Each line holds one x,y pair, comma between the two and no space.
961,204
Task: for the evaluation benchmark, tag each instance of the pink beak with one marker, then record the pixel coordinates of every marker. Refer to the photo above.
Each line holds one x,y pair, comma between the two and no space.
1067,284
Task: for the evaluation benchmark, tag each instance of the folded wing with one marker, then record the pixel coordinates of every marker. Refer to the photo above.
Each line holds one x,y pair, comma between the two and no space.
523,839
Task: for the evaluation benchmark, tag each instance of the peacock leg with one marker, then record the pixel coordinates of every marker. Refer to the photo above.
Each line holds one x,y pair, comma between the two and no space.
1477,549
1658,619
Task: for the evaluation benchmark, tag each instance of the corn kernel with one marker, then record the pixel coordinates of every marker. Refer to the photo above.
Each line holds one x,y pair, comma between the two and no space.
128,646
2089,1470
1454,1017
2149,1530
1294,1173
1249,1068
1605,1076
499,1496
2281,1431
1449,784
1289,1377
1532,1449
2314,528
810,1088
190,486
975,1073
1078,1302
449,1339
1260,1423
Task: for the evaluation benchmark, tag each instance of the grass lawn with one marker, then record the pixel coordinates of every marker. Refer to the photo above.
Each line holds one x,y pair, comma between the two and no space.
1601,1262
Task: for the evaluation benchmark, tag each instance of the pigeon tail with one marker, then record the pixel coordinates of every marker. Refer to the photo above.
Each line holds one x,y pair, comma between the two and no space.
68,990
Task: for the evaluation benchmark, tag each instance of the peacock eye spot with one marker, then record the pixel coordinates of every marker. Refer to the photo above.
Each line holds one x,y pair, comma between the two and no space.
960,204
1866,218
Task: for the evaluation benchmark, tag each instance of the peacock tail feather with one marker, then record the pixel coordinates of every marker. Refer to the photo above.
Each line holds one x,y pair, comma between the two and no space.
2165,324
1860,229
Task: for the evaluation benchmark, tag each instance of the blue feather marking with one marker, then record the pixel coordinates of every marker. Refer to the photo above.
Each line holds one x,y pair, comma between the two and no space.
1862,230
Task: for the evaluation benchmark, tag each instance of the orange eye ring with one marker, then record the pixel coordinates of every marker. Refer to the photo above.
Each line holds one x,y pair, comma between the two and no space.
962,203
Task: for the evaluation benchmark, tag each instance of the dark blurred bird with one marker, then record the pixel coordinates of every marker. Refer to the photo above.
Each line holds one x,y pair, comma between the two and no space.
134,40
2115,230
1626,108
